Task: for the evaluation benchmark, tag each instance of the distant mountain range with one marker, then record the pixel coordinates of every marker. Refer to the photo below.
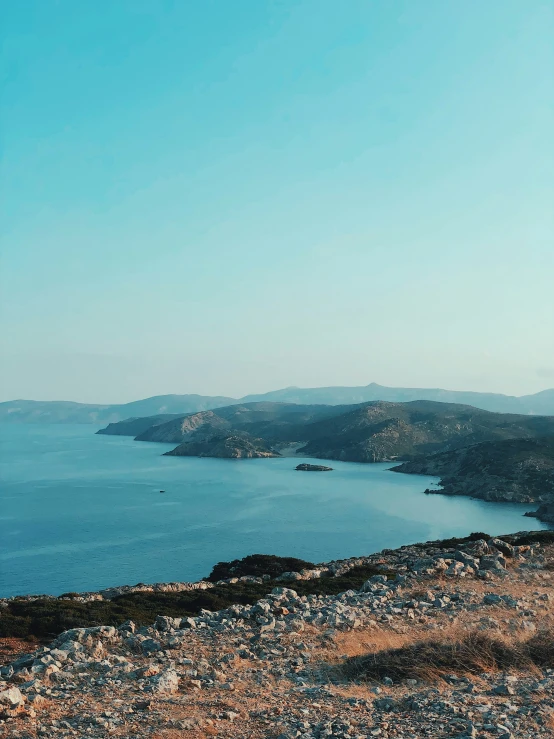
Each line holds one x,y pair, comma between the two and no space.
38,411
540,403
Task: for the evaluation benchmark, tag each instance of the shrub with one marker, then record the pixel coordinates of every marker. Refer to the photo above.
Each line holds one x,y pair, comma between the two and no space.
258,565
534,537
541,647
457,541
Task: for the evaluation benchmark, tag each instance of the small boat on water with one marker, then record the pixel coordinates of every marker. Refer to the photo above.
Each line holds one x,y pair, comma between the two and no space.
162,491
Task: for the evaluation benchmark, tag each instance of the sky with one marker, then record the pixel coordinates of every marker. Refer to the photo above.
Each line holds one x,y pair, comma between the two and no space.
231,197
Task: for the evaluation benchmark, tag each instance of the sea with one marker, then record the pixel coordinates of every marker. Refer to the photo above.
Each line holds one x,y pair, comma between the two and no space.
80,511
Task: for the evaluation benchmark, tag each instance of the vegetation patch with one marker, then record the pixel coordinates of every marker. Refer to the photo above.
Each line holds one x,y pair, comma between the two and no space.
258,565
454,542
528,538
47,617
532,537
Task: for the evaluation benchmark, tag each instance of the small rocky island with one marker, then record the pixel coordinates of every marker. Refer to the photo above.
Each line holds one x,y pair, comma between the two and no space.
313,468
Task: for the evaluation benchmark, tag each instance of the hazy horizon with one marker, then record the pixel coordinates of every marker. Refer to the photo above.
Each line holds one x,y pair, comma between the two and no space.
261,392
230,198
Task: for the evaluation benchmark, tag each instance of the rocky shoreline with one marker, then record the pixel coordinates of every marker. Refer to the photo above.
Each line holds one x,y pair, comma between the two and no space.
277,667
511,470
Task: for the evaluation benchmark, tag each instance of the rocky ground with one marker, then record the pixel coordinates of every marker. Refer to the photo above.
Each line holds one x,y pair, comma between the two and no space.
280,668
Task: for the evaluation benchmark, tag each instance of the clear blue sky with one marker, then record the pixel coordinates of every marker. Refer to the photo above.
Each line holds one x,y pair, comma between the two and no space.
230,197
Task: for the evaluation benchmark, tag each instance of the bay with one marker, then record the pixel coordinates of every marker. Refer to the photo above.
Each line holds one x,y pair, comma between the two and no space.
80,511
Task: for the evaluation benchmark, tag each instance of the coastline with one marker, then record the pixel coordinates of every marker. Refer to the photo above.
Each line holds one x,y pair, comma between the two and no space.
192,597
320,663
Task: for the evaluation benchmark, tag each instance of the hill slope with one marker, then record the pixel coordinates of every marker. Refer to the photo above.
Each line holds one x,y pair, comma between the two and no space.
379,431
37,411
136,426
272,421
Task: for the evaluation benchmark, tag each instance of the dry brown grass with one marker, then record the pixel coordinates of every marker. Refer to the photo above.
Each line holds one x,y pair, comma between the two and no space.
540,647
355,643
472,652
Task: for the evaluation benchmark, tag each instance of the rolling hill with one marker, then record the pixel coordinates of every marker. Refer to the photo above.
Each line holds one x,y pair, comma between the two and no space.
53,411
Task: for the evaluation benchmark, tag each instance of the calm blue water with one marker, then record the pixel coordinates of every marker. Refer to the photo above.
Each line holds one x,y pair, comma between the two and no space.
83,512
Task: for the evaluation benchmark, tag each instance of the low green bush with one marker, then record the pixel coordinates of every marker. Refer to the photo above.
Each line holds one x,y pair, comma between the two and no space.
457,541
534,537
257,565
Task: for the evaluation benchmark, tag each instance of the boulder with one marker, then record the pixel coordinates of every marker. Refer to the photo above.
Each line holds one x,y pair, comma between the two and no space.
492,563
289,576
502,546
466,559
150,646
165,682
166,623
491,599
12,702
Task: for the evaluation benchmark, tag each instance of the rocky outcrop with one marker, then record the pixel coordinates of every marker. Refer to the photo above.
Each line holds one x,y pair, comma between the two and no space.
544,513
313,468
229,446
275,422
180,429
